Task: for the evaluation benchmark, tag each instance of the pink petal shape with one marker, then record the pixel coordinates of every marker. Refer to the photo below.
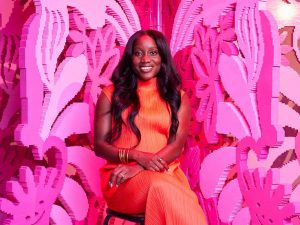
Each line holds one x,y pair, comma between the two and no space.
228,35
74,199
243,217
75,50
232,70
59,216
75,36
229,48
212,185
230,121
230,201
87,165
74,119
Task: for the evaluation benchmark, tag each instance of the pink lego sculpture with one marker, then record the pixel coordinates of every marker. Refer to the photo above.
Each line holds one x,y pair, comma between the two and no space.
242,78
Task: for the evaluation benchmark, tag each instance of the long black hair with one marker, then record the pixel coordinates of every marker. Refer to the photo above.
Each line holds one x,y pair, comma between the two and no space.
125,86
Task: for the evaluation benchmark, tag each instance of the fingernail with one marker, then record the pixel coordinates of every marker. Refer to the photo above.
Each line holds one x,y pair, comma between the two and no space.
117,185
110,184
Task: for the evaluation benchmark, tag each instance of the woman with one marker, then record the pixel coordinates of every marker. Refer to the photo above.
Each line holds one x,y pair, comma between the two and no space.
141,124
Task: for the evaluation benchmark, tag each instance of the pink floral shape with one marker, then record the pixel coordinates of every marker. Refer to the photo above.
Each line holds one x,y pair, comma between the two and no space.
187,17
267,201
43,107
103,57
123,16
38,189
63,90
212,185
74,199
9,51
233,70
208,88
11,158
39,51
249,30
87,165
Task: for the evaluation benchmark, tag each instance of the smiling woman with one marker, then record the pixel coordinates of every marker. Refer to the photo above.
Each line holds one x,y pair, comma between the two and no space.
141,124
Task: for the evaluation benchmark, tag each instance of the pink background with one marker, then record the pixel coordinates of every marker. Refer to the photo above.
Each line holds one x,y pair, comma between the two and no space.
239,61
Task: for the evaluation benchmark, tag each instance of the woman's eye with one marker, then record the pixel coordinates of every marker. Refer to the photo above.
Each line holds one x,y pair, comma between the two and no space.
138,53
153,53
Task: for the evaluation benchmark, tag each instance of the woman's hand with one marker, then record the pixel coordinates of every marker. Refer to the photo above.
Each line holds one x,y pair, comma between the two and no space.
122,173
151,161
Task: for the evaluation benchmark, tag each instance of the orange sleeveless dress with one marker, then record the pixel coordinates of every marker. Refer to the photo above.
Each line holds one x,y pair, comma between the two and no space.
164,197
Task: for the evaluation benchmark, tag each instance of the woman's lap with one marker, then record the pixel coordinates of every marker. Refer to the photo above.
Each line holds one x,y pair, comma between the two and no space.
131,196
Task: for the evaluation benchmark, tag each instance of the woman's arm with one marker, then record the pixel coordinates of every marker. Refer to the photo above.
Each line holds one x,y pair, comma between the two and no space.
173,150
102,126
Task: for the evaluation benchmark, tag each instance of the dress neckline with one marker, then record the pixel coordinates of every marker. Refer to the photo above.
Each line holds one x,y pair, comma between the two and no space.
147,85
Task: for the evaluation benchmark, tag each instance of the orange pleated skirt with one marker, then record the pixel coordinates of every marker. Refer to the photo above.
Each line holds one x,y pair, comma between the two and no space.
165,198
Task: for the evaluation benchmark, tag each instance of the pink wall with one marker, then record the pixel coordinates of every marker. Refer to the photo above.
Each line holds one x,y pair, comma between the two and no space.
239,61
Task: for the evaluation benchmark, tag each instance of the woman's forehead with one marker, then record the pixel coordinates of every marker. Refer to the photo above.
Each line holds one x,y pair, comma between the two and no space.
145,41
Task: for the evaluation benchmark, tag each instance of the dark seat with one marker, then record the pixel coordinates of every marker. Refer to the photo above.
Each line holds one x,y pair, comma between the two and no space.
137,218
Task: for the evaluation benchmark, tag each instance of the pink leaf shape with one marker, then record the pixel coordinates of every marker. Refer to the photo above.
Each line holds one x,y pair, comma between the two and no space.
229,35
230,121
74,199
75,50
64,90
59,216
243,217
230,201
74,119
231,71
87,165
212,185
229,48
124,18
75,36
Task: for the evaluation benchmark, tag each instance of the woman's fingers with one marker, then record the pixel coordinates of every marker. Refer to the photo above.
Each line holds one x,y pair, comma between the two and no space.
160,163
118,175
163,163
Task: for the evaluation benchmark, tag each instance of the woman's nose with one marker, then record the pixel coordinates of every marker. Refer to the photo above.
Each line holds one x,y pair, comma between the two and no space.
145,58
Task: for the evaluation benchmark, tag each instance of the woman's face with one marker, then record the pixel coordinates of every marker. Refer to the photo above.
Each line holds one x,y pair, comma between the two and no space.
146,60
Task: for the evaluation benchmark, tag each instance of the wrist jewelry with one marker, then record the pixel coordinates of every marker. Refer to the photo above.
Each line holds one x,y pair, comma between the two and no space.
124,155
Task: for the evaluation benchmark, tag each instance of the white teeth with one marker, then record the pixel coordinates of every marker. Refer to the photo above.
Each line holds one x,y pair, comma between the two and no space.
145,68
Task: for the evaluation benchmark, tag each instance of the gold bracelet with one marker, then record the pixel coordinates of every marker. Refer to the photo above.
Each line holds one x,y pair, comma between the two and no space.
127,155
123,155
